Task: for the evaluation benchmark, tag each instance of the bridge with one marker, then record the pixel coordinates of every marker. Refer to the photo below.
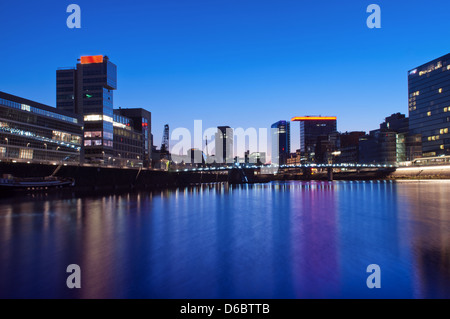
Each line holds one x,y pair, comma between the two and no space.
301,166
249,173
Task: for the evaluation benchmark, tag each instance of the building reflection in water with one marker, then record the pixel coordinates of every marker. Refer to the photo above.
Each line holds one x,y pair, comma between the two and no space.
276,240
429,223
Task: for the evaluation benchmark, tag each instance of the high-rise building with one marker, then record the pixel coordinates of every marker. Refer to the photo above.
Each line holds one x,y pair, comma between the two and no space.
313,128
224,145
281,142
87,90
429,105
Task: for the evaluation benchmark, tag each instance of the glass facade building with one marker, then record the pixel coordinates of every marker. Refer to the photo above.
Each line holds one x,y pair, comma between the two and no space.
141,123
127,143
34,132
429,105
87,90
281,142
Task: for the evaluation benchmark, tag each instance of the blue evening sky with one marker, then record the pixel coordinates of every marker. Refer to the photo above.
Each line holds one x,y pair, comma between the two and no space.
240,63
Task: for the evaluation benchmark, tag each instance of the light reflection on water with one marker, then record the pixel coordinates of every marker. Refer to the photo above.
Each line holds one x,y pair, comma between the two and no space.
278,240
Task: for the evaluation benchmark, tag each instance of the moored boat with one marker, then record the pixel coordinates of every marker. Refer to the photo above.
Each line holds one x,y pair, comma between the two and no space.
11,183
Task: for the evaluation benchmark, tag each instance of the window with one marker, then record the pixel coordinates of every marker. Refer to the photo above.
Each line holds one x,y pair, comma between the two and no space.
440,90
87,143
442,147
446,109
92,118
26,154
429,113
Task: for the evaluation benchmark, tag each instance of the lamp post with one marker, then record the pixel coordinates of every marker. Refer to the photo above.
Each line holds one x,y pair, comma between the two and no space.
7,147
45,144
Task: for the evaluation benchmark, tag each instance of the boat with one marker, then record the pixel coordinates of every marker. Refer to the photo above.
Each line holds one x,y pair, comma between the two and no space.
11,183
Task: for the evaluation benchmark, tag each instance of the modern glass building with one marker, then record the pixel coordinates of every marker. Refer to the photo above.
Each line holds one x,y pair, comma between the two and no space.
429,105
128,143
34,132
311,129
224,144
281,142
141,122
87,90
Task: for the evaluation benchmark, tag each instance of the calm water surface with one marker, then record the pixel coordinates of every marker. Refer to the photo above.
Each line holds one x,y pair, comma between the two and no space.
278,240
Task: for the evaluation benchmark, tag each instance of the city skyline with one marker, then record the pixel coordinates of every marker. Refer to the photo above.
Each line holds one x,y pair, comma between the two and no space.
254,58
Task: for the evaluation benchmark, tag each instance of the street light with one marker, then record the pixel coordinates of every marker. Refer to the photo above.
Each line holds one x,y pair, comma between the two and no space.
7,144
45,144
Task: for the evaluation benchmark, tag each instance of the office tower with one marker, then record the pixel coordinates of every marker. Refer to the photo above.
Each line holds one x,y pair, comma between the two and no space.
88,90
429,105
224,145
281,142
312,129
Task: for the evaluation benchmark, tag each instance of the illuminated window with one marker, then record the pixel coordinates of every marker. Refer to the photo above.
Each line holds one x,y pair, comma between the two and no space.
26,154
442,147
91,118
93,134
441,131
433,138
445,109
87,143
429,113
445,130
440,90
108,118
429,138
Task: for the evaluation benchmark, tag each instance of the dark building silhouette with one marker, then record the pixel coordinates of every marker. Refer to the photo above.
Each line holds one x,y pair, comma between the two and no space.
388,144
281,142
311,128
224,145
349,146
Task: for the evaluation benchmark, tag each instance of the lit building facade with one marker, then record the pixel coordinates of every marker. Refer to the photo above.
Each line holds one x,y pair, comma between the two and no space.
312,128
429,106
281,142
141,123
128,143
37,133
87,90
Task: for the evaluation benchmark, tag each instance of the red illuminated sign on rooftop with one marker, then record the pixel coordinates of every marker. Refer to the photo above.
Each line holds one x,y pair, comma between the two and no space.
314,118
91,59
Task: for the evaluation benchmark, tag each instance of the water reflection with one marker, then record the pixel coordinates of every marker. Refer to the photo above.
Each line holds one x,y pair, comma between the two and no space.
279,240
